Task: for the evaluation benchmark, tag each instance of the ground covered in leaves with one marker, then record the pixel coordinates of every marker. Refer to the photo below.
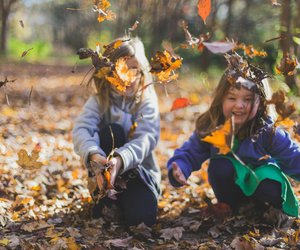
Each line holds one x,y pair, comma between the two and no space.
48,208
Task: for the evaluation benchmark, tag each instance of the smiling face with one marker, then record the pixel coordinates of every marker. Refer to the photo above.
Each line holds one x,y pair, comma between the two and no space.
241,103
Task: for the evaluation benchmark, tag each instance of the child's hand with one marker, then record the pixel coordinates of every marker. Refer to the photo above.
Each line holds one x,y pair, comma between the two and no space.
98,158
116,164
178,175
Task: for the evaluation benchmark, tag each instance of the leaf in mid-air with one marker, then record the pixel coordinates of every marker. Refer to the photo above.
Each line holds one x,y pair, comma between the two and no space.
219,47
163,65
180,103
101,7
287,66
122,76
218,137
204,8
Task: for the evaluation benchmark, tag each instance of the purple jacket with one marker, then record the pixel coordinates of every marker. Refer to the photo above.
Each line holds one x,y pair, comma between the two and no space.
277,144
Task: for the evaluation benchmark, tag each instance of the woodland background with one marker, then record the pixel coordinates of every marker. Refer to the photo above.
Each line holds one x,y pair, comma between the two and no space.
48,208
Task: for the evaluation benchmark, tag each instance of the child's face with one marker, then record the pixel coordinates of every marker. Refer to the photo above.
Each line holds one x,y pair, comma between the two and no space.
238,102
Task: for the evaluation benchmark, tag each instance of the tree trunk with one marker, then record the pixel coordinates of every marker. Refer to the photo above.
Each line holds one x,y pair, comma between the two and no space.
227,28
5,11
286,41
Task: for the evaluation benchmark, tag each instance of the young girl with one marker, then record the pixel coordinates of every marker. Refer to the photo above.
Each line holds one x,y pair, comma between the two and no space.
128,119
266,155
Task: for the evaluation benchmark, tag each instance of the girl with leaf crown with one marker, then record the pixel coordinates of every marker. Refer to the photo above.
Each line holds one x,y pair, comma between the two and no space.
118,130
259,157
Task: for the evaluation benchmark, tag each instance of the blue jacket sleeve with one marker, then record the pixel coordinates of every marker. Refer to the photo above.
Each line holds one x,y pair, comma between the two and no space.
285,152
189,157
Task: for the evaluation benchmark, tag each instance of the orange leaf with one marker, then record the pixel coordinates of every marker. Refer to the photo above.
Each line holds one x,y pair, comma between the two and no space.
204,8
218,138
180,103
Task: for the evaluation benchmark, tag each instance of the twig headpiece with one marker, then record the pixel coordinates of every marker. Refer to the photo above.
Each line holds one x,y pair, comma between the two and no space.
241,73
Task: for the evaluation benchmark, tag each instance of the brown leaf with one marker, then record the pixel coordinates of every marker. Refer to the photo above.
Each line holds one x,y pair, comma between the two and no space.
124,243
169,233
24,53
29,162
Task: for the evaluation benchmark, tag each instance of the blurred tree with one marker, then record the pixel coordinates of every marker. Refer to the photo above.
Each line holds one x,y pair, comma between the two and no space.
6,7
69,26
286,38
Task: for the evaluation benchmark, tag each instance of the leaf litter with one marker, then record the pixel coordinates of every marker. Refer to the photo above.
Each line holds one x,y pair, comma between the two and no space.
49,207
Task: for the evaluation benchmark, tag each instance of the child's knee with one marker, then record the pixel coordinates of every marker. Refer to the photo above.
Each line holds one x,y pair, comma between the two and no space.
221,168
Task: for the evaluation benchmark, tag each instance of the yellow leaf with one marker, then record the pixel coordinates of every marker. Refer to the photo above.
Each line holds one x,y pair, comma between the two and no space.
7,111
4,242
218,138
72,244
286,122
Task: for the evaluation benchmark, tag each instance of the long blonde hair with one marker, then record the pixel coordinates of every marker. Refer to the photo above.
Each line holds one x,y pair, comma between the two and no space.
130,47
213,117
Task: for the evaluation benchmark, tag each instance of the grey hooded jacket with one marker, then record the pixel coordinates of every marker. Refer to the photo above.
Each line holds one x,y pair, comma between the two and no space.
137,153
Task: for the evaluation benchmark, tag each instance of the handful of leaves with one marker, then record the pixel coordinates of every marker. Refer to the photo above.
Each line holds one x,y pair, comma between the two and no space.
99,181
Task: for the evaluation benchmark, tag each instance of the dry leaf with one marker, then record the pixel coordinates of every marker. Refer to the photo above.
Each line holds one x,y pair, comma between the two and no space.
169,233
218,137
204,8
124,243
24,53
29,162
219,47
180,103
287,65
101,7
164,64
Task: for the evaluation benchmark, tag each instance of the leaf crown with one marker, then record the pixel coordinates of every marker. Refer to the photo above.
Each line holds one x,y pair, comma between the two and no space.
240,73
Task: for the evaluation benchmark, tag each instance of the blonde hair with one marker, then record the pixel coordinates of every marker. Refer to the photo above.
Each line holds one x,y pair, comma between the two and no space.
214,117
130,47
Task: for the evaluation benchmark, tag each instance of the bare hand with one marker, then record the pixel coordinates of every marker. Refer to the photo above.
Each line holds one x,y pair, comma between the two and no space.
98,158
178,175
116,163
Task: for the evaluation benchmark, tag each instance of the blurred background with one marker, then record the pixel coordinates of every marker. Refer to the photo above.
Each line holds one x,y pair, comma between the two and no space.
57,29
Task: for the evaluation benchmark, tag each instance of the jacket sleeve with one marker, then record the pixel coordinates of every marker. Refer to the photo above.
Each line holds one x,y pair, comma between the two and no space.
189,157
285,152
146,134
85,133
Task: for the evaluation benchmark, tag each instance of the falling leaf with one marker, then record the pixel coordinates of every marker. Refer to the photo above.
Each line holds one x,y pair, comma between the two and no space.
282,106
204,8
29,162
164,64
218,137
192,41
24,53
287,65
219,47
133,27
284,122
21,23
180,103
169,233
101,7
250,51
122,76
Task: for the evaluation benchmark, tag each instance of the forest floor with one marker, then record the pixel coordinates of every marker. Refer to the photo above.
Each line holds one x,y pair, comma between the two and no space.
49,208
